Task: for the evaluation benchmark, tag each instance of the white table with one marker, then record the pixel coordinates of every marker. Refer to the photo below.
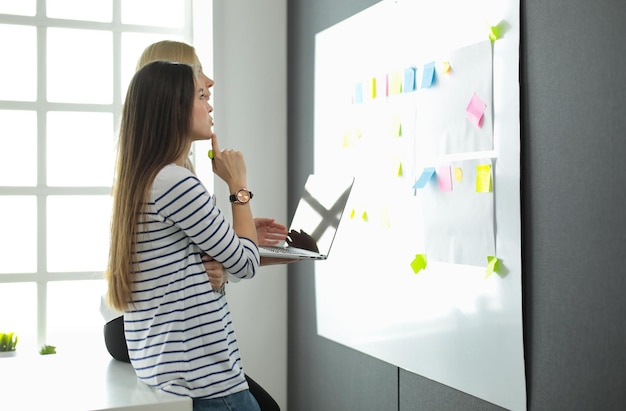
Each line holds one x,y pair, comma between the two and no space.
81,383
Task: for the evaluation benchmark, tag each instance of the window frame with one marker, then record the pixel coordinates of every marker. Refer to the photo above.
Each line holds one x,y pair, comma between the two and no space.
41,191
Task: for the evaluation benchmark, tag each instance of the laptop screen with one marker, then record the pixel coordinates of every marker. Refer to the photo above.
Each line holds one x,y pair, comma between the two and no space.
320,209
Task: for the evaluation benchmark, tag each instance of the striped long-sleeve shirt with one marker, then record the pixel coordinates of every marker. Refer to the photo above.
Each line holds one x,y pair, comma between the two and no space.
179,332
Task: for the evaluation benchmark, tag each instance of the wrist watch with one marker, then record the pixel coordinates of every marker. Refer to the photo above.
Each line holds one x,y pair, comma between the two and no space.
242,196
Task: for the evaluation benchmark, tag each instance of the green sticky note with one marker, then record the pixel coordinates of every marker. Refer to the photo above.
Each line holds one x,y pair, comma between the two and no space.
211,154
492,265
419,263
494,33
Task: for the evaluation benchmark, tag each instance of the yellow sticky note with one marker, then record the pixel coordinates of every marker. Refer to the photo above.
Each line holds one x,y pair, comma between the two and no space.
347,140
352,213
373,88
419,263
458,174
492,265
211,154
483,178
364,216
400,170
446,67
396,126
395,86
385,220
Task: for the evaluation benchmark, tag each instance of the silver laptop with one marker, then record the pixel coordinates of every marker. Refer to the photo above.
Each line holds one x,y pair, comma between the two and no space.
316,219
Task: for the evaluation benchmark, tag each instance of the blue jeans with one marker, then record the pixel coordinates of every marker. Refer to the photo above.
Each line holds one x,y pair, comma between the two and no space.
241,401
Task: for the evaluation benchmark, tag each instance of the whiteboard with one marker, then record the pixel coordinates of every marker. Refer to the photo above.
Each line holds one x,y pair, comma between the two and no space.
407,90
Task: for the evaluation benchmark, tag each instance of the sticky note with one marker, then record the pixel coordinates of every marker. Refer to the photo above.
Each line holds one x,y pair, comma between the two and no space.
483,178
385,219
352,213
395,86
396,126
476,110
444,178
358,93
458,174
408,84
494,33
419,263
373,88
387,80
428,76
211,154
446,67
364,216
347,140
400,170
492,265
425,177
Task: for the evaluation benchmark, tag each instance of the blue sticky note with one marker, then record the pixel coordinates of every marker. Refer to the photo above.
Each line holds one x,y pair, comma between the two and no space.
358,93
427,174
408,84
428,77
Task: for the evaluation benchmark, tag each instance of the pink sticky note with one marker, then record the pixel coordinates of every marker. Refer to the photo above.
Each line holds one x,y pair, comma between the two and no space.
476,111
444,177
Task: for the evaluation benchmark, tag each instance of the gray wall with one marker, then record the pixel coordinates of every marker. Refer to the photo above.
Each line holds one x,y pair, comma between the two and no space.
250,67
573,118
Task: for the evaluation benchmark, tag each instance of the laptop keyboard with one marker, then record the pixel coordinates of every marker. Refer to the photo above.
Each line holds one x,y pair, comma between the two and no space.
280,249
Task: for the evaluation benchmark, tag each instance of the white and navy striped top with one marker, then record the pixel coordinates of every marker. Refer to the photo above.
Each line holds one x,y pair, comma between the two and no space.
179,332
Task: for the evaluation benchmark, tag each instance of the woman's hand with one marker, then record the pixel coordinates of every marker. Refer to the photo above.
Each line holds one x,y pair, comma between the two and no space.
229,165
269,232
215,271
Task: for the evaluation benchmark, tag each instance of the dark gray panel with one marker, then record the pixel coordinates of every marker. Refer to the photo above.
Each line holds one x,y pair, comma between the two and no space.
322,374
420,393
574,146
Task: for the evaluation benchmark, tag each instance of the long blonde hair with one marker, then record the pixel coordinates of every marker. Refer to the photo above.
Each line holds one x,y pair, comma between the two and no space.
154,130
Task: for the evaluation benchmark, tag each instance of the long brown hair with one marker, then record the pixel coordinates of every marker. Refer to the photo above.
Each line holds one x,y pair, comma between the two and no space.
156,121
175,51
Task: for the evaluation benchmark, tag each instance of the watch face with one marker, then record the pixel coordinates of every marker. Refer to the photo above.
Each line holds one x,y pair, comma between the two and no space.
243,196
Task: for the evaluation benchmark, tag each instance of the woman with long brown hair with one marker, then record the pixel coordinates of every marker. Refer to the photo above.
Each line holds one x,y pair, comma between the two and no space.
179,331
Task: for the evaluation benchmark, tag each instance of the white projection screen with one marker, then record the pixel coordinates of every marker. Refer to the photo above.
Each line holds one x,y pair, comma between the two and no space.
420,105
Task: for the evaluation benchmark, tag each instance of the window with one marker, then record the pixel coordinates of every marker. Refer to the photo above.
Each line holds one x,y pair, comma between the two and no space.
66,66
